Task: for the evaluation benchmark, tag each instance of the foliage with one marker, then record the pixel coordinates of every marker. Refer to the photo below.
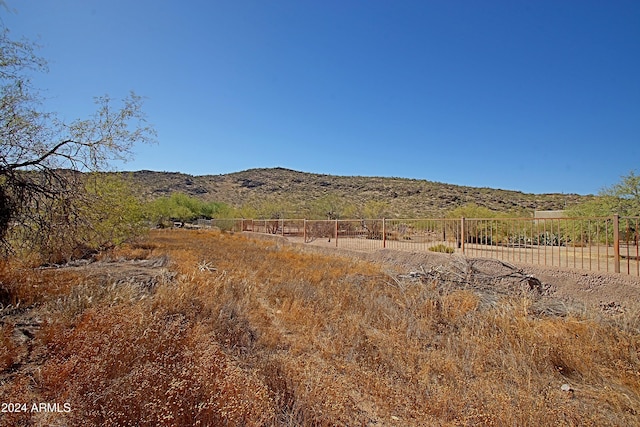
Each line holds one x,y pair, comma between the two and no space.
599,207
626,193
622,198
271,209
266,208
442,248
331,206
105,212
42,199
376,209
180,207
472,210
114,213
247,211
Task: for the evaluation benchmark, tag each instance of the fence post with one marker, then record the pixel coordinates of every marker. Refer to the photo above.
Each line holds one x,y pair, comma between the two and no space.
336,230
616,243
282,220
384,233
304,230
462,236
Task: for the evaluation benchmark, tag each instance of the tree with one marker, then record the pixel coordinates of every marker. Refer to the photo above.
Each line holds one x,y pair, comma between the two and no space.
184,208
41,189
331,206
107,214
375,209
622,198
626,193
600,206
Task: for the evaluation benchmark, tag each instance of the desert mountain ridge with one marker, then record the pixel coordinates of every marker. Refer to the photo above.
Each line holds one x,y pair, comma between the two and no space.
404,196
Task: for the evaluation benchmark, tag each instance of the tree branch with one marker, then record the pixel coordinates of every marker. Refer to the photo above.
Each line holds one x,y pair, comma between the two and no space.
42,158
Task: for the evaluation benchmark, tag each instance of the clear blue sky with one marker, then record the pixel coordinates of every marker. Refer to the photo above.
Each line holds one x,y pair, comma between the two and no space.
537,96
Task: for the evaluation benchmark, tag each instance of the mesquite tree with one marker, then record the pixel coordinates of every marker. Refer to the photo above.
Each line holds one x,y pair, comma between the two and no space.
44,160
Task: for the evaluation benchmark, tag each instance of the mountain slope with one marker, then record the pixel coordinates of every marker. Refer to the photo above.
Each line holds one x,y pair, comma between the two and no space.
405,197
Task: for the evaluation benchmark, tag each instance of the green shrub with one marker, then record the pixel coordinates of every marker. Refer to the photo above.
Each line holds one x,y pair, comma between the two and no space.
442,248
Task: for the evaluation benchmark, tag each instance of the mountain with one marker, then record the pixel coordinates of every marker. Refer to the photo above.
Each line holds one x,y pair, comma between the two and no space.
405,197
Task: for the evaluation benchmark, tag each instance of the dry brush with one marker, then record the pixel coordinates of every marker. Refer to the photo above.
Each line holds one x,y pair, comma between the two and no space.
243,332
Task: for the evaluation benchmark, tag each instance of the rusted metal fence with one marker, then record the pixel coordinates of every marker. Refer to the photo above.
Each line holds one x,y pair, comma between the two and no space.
597,244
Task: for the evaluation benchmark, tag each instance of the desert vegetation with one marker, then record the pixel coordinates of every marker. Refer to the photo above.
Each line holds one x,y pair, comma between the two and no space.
283,193
442,248
208,328
162,211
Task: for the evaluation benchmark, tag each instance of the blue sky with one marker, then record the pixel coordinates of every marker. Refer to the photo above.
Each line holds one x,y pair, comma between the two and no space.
536,96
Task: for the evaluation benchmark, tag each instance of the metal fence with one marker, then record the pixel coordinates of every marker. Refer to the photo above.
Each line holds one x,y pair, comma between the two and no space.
597,244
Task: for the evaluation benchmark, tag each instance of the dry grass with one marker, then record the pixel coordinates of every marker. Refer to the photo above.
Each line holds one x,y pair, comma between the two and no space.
271,336
21,283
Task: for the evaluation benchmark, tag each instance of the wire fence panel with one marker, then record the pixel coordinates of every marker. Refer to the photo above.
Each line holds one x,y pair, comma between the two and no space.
608,244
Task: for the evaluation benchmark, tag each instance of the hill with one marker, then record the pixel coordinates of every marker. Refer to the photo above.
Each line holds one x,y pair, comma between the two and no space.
299,190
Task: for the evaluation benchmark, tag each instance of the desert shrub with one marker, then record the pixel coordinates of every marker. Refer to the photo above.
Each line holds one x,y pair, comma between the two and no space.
442,248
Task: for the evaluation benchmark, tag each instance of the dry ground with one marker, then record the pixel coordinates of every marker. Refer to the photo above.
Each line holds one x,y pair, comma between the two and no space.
207,328
590,289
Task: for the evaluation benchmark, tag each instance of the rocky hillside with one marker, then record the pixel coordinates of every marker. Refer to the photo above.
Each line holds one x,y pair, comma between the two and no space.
406,197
